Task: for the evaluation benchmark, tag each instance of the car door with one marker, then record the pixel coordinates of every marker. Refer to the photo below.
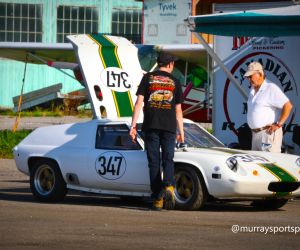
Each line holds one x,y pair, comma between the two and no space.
118,162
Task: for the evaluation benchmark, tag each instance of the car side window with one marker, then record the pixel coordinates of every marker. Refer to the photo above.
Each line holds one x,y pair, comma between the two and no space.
115,137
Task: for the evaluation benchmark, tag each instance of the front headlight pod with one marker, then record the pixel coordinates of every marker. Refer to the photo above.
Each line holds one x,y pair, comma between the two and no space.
298,162
232,163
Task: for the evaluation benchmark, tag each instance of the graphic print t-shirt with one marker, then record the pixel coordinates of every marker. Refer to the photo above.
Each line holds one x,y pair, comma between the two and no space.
161,93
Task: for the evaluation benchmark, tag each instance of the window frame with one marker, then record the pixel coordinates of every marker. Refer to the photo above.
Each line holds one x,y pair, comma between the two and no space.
67,19
18,15
124,12
121,129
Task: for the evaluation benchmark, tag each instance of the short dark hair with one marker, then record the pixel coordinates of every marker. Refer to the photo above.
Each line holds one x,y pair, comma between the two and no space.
164,59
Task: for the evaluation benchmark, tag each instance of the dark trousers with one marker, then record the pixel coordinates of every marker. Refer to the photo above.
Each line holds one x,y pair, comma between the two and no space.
156,140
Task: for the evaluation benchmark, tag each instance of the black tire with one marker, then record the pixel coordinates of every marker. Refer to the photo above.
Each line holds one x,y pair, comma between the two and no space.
46,181
190,191
271,204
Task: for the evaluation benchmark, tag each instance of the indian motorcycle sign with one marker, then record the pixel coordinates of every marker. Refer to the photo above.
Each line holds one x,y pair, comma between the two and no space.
280,57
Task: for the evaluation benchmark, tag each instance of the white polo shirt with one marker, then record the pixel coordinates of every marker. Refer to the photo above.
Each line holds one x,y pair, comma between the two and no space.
265,106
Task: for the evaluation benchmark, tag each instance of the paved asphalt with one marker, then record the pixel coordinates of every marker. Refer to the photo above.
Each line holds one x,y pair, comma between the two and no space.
93,222
7,122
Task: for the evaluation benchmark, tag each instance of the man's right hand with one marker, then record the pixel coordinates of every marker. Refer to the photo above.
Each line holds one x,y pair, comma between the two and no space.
180,138
132,133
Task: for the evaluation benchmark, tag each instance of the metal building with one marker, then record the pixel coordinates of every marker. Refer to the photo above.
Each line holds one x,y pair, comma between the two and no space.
49,21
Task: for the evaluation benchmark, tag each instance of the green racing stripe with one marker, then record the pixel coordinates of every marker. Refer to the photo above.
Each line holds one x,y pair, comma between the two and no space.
109,56
281,174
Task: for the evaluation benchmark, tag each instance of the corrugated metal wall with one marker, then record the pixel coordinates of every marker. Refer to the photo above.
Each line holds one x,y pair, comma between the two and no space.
39,76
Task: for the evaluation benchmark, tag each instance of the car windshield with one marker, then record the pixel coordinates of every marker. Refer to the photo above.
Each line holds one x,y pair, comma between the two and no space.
198,138
194,137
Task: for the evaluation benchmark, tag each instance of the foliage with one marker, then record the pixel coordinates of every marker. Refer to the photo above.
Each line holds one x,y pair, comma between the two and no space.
9,139
54,111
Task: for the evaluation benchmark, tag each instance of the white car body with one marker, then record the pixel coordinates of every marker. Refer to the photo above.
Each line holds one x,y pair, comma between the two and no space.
118,170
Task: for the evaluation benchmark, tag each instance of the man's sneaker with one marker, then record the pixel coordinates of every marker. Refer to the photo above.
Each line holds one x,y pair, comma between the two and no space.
169,198
158,204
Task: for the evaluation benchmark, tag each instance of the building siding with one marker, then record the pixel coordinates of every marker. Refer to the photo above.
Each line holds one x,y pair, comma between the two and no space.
39,76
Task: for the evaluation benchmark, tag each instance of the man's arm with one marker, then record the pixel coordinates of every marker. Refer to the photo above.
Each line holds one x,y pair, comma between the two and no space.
136,112
179,120
286,110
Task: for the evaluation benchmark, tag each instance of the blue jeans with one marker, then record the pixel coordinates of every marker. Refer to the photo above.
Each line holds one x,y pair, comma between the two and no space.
154,140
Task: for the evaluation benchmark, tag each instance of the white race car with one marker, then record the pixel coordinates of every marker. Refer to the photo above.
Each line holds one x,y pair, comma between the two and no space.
99,156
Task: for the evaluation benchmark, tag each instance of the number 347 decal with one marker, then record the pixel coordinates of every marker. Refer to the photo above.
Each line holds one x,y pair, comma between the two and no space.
116,79
110,165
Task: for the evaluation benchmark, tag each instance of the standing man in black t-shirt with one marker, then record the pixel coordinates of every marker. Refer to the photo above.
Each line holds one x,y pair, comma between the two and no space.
161,95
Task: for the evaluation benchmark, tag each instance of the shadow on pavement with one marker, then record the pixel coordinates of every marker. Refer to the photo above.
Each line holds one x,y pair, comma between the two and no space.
23,194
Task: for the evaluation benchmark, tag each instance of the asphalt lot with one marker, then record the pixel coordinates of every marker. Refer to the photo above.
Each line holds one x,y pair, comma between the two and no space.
93,222
7,122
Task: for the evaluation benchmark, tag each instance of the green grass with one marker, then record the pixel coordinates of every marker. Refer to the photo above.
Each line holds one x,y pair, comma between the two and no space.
37,112
56,111
8,140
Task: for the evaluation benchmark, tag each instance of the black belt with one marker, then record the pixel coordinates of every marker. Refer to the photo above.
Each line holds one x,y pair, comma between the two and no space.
256,130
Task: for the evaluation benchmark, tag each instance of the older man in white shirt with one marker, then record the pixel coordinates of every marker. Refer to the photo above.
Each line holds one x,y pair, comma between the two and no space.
268,109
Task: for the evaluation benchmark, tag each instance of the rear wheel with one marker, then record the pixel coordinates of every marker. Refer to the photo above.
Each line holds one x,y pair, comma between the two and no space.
270,204
46,181
190,192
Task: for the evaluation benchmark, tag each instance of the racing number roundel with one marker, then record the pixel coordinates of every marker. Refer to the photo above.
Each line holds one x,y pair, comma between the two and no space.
116,79
110,165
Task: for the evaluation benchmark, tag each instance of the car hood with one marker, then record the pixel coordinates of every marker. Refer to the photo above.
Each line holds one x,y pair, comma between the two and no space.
216,151
241,155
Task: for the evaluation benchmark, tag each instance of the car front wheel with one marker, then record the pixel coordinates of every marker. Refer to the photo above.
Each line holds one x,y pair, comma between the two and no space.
46,181
190,192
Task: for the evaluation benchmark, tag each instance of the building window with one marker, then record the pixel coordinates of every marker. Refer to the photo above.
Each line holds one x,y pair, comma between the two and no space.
127,23
76,20
21,22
